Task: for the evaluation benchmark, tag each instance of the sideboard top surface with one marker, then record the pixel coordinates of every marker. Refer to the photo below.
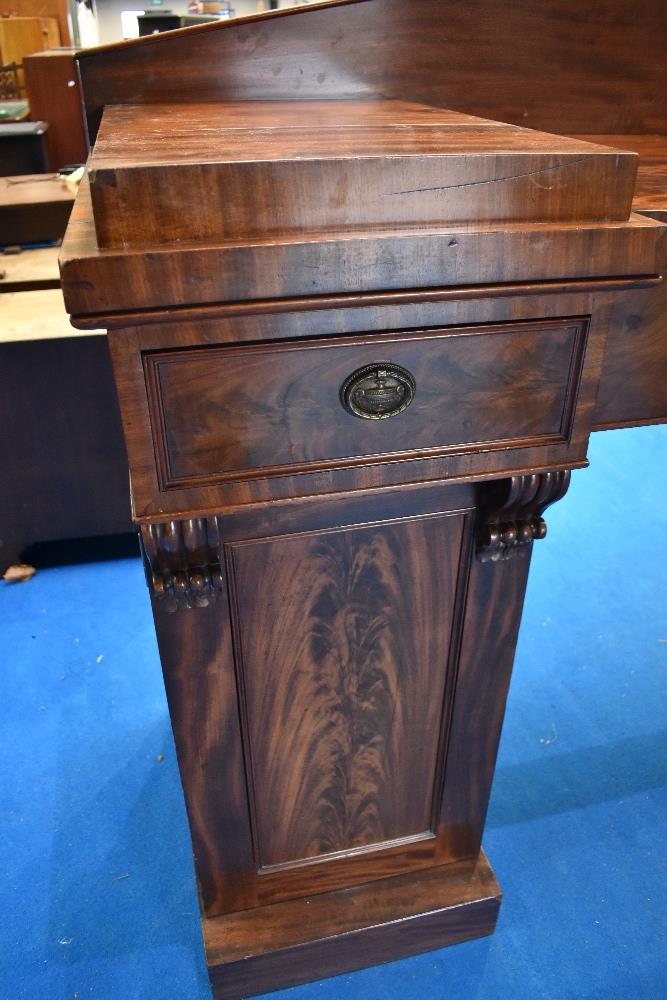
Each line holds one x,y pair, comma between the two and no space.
166,173
162,134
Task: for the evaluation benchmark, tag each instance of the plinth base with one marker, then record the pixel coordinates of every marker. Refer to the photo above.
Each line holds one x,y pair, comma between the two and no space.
300,940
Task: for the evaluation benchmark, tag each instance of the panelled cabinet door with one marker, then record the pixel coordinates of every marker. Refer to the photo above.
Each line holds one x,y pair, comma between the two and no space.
312,701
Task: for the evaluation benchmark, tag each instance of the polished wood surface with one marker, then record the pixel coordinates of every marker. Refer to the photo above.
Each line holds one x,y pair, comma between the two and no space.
293,942
339,166
350,600
558,65
102,283
214,741
516,520
346,704
426,580
494,603
153,497
633,389
53,90
231,413
217,746
337,600
633,386
651,187
191,134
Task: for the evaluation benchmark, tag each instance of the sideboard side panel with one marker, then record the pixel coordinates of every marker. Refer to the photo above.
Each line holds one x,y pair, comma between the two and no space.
198,667
633,387
493,614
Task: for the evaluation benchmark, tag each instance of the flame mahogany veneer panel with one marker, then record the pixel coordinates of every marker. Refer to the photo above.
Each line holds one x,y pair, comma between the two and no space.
346,696
344,669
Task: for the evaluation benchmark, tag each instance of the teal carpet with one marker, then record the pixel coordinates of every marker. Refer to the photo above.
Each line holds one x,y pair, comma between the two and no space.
97,888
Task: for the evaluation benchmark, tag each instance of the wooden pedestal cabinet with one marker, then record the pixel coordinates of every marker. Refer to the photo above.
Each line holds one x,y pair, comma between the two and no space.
337,706
337,633
358,346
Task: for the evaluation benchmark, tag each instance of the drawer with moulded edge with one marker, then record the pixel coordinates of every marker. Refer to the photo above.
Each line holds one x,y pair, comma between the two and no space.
225,413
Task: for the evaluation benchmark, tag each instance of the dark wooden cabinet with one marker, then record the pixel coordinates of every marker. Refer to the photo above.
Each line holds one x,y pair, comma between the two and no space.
54,92
343,627
356,362
337,687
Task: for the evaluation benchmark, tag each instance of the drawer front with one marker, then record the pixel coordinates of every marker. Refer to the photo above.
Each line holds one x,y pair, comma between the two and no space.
224,413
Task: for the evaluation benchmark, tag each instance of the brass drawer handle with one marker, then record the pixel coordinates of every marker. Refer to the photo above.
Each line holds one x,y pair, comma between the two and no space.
378,391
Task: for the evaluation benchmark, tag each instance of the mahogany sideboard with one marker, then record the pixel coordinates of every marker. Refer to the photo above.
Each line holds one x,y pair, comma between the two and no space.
360,338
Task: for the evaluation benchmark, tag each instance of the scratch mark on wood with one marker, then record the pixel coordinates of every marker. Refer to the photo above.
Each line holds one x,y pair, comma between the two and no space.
491,180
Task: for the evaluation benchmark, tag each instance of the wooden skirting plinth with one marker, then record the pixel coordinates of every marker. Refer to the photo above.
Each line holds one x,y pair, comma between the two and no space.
297,941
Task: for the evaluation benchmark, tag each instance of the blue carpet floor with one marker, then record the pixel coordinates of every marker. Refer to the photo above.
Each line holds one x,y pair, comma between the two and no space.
97,888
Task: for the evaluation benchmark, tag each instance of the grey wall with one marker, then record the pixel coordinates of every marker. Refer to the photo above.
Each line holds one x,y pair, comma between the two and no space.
108,13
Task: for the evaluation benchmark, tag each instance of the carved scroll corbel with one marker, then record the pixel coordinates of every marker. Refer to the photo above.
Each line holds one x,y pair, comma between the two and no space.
182,562
515,519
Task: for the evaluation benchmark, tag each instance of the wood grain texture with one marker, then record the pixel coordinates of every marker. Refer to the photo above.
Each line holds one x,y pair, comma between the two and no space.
231,413
152,501
182,562
198,668
239,310
96,281
53,90
651,186
338,166
200,675
633,389
337,710
297,941
559,65
494,605
344,668
197,656
321,741
514,519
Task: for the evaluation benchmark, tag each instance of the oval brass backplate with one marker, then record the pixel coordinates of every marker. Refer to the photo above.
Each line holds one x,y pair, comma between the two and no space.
378,391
